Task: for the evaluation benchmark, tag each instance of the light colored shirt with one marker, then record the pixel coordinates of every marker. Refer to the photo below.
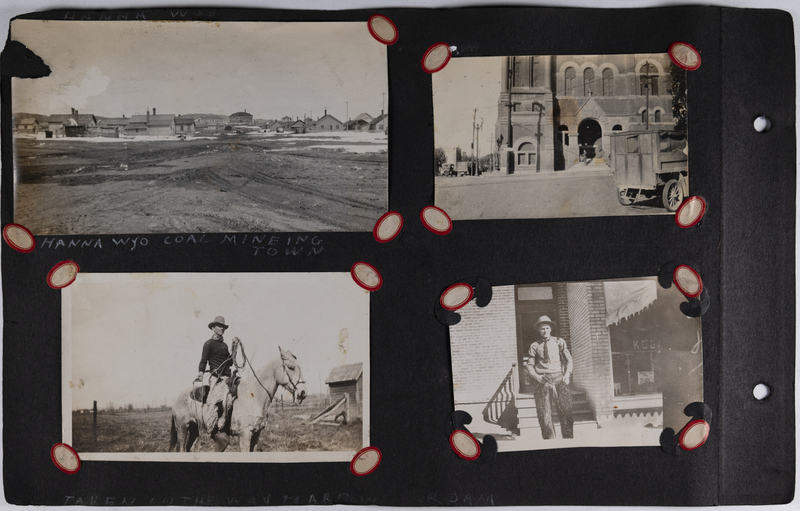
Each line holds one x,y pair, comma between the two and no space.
554,358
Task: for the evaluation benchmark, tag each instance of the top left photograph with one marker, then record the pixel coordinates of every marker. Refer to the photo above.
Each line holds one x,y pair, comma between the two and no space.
160,127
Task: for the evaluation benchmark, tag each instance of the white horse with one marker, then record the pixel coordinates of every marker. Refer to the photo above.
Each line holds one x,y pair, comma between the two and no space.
249,414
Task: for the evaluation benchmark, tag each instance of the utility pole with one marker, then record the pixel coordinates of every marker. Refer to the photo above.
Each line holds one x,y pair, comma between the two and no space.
472,144
510,137
647,95
383,101
347,114
478,147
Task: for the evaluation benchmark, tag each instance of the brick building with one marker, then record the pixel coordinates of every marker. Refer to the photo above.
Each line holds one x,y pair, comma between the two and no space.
563,107
637,358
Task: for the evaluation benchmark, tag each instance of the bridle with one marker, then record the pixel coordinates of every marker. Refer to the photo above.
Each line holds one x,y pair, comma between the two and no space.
294,384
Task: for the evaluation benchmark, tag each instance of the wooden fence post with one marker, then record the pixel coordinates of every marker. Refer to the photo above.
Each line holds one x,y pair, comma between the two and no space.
94,424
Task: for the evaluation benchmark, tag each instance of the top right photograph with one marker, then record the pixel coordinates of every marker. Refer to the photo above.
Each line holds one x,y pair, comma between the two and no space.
552,136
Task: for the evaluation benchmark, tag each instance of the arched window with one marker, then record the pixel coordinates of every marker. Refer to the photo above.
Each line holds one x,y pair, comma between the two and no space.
526,154
536,72
617,127
648,79
569,82
608,82
588,81
657,115
518,77
644,116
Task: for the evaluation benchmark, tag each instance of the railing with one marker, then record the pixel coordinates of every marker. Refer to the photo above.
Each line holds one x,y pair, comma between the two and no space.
504,399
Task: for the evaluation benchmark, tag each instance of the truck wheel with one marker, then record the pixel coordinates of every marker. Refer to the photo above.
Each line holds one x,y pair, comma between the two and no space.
623,197
672,196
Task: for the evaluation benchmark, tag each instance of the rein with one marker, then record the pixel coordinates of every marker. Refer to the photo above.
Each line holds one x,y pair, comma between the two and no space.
294,388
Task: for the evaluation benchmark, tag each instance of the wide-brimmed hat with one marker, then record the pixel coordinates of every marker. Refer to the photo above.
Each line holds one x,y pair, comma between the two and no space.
544,319
219,320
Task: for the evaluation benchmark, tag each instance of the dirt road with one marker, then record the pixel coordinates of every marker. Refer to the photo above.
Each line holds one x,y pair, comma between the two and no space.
553,195
234,183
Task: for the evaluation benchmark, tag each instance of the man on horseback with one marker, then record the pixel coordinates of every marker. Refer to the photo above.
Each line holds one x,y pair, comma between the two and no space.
222,380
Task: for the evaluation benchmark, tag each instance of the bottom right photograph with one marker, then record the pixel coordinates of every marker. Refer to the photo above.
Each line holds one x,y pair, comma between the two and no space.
604,363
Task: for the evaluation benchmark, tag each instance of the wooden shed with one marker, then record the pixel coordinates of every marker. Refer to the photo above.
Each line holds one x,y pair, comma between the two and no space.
348,379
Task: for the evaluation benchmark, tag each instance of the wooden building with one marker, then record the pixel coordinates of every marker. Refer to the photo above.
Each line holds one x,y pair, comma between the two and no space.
113,127
241,118
74,124
328,123
185,125
360,123
348,379
298,126
379,124
28,125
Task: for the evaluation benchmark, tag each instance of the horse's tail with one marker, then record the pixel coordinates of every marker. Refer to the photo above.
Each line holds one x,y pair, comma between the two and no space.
173,435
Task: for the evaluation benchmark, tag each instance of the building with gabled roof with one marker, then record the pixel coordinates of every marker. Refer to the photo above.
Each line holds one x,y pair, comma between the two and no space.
157,124
380,123
298,126
328,123
28,125
348,379
73,124
360,123
185,125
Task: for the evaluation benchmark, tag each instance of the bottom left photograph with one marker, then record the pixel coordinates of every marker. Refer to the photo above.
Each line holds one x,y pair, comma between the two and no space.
248,367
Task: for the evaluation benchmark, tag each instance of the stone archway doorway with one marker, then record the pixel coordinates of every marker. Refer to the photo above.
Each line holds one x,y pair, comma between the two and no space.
589,132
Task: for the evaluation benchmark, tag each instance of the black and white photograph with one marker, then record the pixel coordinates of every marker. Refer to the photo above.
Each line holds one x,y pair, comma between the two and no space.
552,136
606,363
156,127
243,367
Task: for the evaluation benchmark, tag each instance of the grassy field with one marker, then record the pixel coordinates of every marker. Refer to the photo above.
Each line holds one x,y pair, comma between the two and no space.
234,183
148,431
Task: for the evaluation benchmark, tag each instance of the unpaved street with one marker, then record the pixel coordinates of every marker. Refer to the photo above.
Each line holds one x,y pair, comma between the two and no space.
239,183
546,195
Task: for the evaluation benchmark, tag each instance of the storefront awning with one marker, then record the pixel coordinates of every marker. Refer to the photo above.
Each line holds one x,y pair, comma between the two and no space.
624,299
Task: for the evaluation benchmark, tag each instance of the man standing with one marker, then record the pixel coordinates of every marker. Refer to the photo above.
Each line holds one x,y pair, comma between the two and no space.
550,366
218,359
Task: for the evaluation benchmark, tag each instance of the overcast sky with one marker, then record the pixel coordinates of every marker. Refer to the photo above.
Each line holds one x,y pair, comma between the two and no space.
138,338
269,69
462,86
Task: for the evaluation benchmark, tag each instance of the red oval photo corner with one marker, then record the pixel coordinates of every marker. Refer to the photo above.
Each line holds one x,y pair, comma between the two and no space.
436,220
690,212
687,280
436,57
65,458
694,435
387,227
685,56
382,29
62,274
366,276
366,461
465,445
19,238
456,296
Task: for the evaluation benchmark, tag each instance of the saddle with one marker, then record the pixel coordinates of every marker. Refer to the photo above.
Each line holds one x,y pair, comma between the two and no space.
200,393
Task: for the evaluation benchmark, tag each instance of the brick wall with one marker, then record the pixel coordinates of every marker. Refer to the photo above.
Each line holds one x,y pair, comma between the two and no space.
483,345
563,313
591,346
